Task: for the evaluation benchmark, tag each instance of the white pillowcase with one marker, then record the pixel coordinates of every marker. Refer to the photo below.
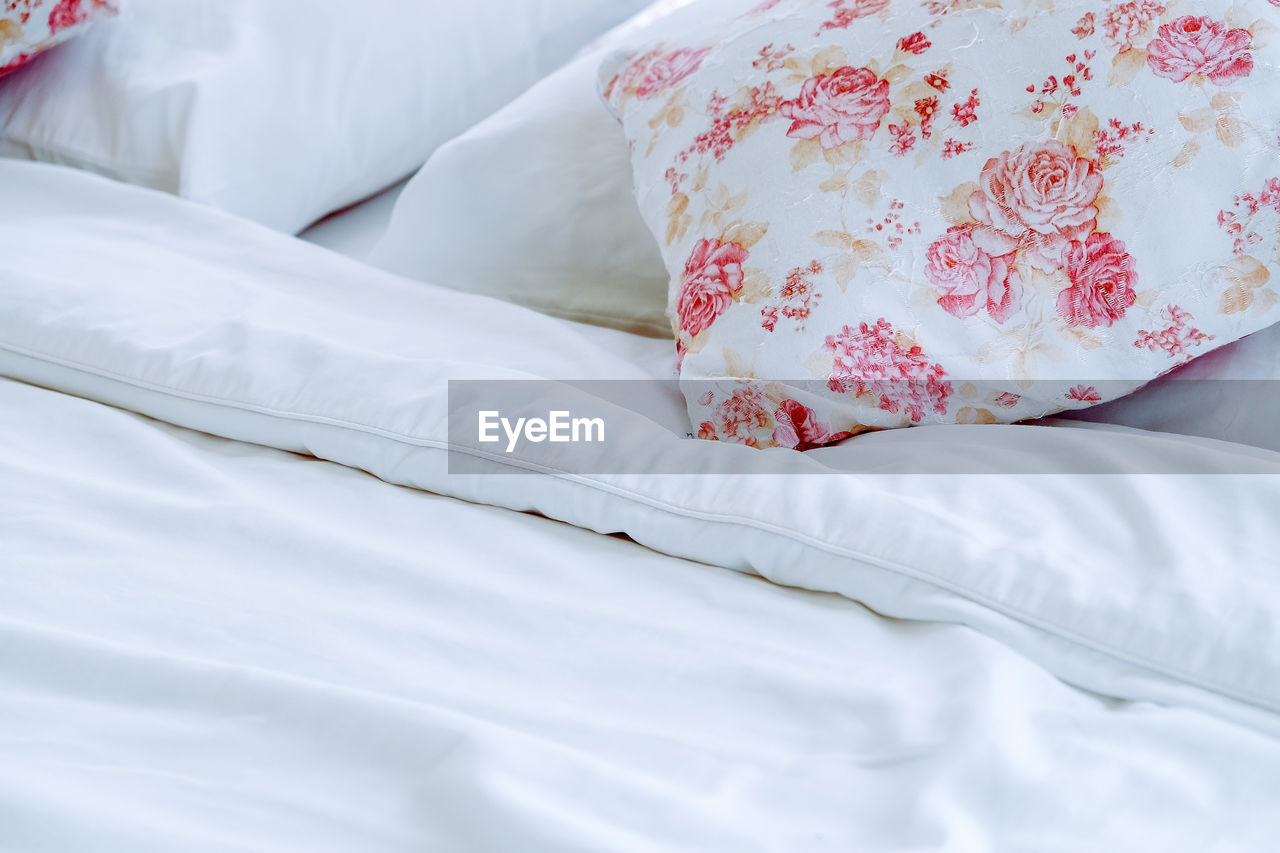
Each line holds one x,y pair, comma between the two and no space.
534,206
283,111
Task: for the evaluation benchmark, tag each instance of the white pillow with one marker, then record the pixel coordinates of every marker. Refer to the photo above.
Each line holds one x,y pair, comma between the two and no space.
534,206
283,111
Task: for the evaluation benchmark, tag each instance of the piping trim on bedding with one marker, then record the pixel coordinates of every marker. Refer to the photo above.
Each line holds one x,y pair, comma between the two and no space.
832,549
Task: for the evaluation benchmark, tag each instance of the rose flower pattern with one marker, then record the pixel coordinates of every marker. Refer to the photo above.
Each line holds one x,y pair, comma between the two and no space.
30,27
763,416
969,279
874,360
1036,206
840,107
712,275
669,71
1103,282
1200,45
879,215
797,427
1044,193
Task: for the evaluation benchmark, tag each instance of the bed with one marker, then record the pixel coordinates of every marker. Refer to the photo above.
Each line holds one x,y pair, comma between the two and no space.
254,596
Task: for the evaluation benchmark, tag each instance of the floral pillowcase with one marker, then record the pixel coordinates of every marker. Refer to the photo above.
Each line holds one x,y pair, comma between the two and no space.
882,214
28,27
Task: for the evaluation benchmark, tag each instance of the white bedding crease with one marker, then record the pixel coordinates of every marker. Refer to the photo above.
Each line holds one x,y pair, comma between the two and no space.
207,646
355,230
175,558
1140,587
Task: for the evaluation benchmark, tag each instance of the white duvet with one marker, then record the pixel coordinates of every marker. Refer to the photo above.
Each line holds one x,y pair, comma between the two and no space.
210,644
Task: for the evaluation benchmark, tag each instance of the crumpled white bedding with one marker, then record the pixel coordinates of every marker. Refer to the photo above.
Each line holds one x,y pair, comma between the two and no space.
207,645
167,623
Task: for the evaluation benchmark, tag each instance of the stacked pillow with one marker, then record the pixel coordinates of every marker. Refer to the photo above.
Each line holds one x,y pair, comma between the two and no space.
534,206
877,215
279,111
167,96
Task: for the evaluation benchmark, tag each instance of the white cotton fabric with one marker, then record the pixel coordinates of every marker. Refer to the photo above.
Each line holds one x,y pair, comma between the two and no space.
282,112
534,206
355,230
207,645
1159,588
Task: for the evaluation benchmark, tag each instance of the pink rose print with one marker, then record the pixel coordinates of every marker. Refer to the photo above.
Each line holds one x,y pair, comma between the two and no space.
1084,394
799,428
969,279
1103,282
1241,224
1177,338
760,103
1086,26
848,11
966,112
840,107
772,58
68,13
796,299
62,15
1004,296
1125,22
1008,400
631,73
21,7
1044,188
712,275
1112,140
1199,45
918,43
904,139
743,417
872,360
670,70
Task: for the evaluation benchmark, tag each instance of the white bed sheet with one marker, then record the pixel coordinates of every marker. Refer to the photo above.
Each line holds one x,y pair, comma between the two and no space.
207,645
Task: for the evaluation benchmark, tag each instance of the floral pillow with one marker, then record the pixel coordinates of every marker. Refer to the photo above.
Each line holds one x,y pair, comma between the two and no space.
883,214
28,27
